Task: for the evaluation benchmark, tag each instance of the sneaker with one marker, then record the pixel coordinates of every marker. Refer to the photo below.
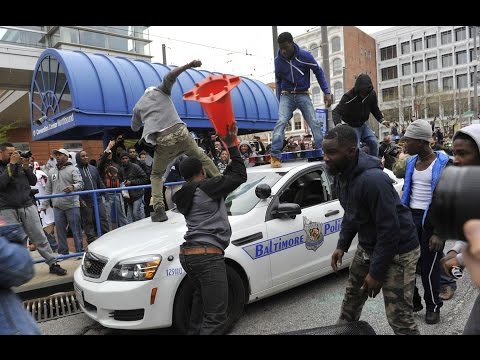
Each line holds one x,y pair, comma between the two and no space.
159,215
432,317
446,292
275,162
57,270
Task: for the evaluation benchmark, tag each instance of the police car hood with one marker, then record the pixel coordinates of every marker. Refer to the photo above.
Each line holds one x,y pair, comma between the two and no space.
145,237
142,237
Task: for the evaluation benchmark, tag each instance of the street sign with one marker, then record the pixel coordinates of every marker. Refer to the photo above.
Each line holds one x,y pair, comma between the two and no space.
468,113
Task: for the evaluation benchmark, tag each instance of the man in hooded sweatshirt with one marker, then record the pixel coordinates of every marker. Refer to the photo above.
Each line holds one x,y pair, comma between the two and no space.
388,248
201,201
64,178
292,78
354,109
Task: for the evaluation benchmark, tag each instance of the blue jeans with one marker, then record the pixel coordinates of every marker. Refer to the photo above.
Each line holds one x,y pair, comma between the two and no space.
367,136
136,210
208,274
72,218
288,104
115,201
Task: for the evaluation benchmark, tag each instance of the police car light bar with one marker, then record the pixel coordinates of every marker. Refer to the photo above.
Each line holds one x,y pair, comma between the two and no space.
287,156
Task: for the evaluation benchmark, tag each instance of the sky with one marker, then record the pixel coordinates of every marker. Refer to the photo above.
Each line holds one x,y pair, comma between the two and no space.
238,50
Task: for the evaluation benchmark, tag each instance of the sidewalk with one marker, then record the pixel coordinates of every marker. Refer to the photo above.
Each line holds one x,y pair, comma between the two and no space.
43,278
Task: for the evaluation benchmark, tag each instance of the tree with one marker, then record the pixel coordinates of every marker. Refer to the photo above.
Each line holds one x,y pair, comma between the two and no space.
4,130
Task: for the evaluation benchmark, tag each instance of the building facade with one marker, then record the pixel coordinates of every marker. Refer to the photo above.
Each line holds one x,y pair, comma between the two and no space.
427,72
20,48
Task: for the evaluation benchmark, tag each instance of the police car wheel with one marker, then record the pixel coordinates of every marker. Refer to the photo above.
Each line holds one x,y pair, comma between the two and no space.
183,301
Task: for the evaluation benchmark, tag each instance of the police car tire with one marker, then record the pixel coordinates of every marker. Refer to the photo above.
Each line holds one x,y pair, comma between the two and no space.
183,301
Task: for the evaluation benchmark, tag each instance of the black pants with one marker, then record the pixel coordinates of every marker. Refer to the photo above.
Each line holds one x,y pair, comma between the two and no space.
210,297
430,266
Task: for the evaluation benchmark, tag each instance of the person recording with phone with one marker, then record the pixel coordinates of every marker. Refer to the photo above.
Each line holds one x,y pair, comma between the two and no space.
16,204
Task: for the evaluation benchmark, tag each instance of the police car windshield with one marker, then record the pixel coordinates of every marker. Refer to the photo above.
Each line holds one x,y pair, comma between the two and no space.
243,199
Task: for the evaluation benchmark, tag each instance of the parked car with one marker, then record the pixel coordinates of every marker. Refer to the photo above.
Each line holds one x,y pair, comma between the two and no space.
285,226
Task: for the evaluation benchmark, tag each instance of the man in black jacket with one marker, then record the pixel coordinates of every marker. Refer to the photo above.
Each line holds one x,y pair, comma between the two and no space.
16,204
388,247
354,109
201,201
91,181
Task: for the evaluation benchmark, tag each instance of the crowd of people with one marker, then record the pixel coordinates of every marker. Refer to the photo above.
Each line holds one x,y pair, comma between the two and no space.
397,238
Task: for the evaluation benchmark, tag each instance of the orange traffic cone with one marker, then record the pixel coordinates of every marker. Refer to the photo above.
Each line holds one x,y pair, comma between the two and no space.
213,94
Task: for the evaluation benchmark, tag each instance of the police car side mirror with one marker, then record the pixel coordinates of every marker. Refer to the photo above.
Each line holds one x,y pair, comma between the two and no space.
287,209
263,191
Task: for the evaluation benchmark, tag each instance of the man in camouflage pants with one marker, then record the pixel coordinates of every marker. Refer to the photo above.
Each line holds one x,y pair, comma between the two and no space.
388,249
163,128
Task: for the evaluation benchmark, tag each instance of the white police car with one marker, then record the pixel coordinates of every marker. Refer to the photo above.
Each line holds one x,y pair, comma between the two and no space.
285,225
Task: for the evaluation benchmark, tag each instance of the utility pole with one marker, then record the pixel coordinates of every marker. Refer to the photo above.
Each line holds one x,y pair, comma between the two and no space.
326,70
475,77
275,42
164,53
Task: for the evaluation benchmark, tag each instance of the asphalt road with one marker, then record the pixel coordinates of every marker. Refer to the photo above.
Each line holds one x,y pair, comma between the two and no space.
308,306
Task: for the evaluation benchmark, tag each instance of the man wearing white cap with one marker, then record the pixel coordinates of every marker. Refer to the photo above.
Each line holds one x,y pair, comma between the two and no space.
423,169
65,178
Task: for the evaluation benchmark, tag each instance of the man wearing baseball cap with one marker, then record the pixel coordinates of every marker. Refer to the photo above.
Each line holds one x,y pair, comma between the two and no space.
423,169
64,178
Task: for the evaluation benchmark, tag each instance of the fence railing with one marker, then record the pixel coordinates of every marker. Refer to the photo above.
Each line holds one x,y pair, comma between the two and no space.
95,206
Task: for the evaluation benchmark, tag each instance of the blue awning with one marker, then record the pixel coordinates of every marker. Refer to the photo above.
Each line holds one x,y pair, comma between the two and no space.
78,95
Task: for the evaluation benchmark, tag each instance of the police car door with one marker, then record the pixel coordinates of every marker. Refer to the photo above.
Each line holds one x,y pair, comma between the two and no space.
300,248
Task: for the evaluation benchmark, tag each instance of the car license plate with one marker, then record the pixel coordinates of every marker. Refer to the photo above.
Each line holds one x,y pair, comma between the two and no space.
79,294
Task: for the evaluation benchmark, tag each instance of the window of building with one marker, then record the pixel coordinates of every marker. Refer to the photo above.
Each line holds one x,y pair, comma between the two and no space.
447,60
405,47
92,39
336,45
432,109
389,52
470,54
390,94
337,66
297,121
448,107
418,66
460,34
389,73
417,44
73,146
471,79
461,57
419,89
447,83
407,112
462,81
407,90
316,95
432,86
446,37
431,63
289,126
337,91
406,69
314,50
431,41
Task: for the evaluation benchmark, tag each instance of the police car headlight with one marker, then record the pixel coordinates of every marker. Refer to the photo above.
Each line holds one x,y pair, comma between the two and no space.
139,268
